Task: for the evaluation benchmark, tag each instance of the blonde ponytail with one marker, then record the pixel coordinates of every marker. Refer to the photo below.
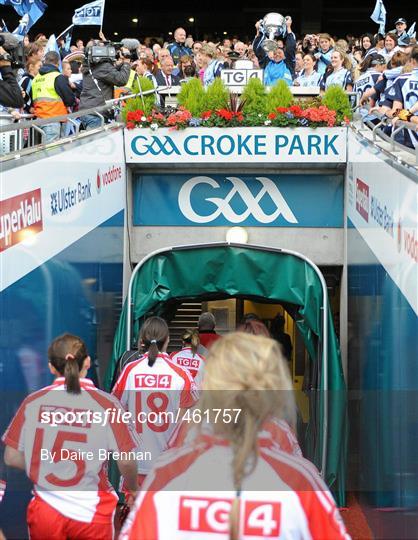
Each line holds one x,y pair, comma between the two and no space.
253,377
191,337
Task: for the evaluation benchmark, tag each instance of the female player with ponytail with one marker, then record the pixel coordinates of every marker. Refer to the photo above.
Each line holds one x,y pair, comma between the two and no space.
54,438
189,358
232,482
154,390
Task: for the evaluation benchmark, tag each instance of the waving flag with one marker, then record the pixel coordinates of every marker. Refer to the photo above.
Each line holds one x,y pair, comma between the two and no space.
22,29
379,16
89,14
411,32
34,9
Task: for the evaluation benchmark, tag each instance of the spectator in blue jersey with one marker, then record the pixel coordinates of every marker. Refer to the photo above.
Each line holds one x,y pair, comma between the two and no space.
325,50
338,73
379,93
404,93
367,45
179,48
371,69
278,64
391,46
309,76
212,66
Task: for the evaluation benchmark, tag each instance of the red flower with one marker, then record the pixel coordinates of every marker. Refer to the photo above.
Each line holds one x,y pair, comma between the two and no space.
272,116
130,116
225,114
296,110
206,114
137,115
282,110
130,125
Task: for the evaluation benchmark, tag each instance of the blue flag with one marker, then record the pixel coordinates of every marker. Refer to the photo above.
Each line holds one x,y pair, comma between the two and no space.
22,29
90,14
33,8
411,32
379,16
52,45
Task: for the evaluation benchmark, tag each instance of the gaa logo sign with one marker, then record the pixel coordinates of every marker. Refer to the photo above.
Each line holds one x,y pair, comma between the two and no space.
152,381
210,515
239,189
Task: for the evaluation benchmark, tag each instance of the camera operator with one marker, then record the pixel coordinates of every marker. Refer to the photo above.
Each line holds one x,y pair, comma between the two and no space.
10,91
99,79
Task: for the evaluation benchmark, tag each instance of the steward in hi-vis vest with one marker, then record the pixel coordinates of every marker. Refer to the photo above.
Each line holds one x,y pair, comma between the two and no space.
51,92
128,88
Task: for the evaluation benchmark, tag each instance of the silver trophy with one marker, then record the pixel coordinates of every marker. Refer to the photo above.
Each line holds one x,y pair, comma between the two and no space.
273,25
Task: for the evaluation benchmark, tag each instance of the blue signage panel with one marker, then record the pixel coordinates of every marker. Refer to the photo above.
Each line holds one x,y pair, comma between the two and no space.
260,200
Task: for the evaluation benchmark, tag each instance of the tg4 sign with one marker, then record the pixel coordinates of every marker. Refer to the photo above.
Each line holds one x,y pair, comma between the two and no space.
240,77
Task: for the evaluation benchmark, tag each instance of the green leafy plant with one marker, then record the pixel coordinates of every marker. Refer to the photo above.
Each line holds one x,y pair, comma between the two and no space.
279,96
192,97
337,100
216,95
254,97
145,103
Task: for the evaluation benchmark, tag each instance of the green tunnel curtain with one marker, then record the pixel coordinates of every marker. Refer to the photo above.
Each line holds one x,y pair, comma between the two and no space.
237,271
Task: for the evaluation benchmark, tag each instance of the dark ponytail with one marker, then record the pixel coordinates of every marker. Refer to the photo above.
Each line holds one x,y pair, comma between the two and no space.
72,375
67,354
154,333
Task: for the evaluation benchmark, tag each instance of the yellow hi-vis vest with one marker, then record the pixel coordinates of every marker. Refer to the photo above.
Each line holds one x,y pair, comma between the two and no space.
128,88
47,102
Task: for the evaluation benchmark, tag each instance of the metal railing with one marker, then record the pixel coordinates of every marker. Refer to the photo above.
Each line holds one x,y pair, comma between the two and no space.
384,121
23,135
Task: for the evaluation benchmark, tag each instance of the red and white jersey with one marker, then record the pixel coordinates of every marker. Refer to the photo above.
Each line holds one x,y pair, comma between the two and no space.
154,395
279,431
190,492
194,363
67,462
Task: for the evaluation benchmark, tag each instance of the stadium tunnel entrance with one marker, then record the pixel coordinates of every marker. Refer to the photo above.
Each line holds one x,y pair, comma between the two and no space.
207,272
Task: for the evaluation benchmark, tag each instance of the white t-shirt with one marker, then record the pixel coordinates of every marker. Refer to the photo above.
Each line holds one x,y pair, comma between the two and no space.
190,492
154,395
194,363
76,485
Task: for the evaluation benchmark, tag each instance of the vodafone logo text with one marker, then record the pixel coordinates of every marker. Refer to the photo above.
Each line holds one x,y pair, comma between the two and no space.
210,515
111,175
152,381
20,216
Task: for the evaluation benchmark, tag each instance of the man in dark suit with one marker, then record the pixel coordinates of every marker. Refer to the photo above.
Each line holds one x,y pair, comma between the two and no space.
165,77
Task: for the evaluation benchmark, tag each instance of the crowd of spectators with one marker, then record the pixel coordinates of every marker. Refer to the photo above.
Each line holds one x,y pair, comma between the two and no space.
382,70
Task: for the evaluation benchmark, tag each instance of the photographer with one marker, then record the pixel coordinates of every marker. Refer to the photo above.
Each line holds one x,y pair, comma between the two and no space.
10,92
99,79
